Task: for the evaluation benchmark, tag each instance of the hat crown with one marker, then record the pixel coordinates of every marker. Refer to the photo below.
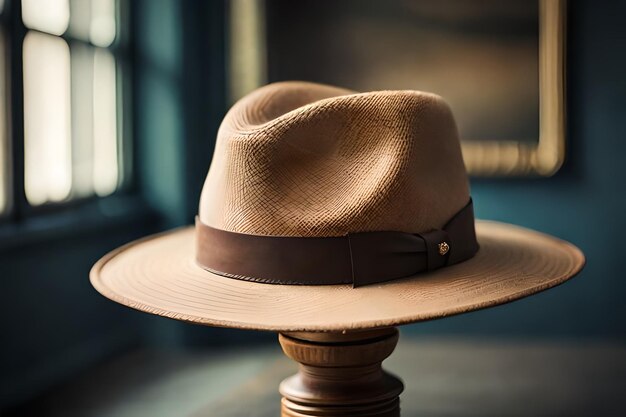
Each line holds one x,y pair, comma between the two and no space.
309,160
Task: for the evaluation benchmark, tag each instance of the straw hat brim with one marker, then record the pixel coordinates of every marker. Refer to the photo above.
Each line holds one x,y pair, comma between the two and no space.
158,275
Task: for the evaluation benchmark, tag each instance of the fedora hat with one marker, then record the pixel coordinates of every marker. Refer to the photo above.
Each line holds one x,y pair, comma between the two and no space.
325,209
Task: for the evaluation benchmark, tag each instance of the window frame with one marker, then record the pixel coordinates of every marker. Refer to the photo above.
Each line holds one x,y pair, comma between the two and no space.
22,222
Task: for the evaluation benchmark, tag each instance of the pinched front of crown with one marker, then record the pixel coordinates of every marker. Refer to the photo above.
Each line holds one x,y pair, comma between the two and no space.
387,160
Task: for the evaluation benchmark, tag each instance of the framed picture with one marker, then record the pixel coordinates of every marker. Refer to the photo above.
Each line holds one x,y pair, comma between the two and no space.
500,65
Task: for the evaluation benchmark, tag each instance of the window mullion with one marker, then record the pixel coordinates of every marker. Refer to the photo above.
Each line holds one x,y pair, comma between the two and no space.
15,88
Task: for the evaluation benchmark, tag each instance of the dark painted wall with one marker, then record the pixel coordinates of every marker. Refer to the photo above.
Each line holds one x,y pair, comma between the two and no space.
52,322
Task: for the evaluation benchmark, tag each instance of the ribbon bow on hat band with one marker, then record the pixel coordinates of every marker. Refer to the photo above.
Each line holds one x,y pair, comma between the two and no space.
357,258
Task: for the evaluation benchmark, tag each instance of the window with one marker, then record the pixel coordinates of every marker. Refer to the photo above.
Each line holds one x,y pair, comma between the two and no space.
71,59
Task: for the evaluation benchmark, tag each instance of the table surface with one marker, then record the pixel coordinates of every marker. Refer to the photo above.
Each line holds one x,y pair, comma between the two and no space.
443,377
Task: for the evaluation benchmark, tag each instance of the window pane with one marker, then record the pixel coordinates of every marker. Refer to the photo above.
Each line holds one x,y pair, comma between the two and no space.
106,170
50,16
94,122
93,20
47,138
102,31
82,119
4,149
80,19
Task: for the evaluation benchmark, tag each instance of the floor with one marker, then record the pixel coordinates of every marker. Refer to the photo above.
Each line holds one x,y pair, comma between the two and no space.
443,377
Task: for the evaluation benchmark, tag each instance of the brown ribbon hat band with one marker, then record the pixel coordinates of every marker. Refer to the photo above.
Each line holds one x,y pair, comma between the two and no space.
357,258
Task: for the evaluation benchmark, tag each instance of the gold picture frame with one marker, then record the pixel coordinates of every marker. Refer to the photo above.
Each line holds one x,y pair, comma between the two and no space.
483,158
517,158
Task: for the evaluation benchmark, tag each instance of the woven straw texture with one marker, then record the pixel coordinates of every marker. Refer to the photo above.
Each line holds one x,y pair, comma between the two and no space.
303,159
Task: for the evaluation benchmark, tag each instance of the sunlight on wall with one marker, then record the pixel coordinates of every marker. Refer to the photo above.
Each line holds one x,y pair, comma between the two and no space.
247,54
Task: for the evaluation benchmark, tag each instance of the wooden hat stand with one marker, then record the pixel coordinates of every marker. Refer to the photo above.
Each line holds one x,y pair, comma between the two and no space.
340,374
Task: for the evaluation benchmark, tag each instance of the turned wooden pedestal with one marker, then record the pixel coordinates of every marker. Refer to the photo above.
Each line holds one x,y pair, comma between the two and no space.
340,375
